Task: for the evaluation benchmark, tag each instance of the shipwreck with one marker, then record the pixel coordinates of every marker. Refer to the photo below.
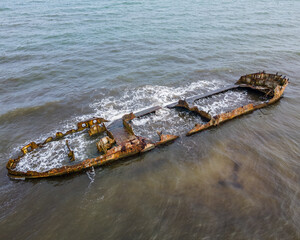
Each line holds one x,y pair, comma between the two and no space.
117,140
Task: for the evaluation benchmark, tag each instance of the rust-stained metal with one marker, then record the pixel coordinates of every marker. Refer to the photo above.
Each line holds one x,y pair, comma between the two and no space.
270,84
105,143
120,140
96,129
190,107
70,153
165,138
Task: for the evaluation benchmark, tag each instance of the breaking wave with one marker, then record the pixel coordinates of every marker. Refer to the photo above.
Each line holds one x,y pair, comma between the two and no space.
140,98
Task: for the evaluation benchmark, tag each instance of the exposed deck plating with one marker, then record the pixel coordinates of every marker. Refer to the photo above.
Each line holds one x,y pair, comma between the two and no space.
120,140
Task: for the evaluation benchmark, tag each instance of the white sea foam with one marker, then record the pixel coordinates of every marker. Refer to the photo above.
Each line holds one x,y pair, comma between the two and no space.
226,101
170,121
147,96
55,154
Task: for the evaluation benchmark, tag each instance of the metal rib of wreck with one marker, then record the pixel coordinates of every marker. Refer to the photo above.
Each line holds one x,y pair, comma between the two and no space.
120,140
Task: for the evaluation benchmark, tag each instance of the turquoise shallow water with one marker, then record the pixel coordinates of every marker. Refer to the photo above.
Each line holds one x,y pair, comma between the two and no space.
65,61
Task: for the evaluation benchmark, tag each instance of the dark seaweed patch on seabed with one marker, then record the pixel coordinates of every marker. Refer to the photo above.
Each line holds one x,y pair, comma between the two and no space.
233,180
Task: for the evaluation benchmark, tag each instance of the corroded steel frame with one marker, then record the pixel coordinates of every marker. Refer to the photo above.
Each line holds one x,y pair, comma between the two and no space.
270,84
128,144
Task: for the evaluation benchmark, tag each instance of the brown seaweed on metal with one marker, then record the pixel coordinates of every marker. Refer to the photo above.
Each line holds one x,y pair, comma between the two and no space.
120,140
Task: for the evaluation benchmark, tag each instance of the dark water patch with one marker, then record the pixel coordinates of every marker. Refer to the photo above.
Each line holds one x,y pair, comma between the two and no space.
4,9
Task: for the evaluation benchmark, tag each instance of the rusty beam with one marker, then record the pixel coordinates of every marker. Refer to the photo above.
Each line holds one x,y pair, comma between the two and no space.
197,97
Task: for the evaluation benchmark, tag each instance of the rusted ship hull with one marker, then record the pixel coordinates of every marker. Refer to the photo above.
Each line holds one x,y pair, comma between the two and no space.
120,140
